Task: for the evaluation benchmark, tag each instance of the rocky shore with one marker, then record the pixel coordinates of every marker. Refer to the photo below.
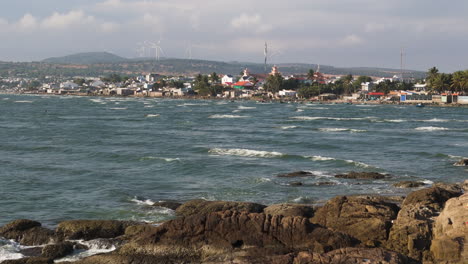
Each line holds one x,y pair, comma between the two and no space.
429,225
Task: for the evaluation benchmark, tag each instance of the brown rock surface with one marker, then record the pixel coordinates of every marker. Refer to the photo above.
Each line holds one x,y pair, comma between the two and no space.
290,210
194,207
58,250
32,260
91,229
365,218
361,175
296,174
451,232
411,232
408,184
351,256
170,205
27,232
216,236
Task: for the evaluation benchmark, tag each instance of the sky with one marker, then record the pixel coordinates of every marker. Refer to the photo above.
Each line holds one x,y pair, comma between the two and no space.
341,33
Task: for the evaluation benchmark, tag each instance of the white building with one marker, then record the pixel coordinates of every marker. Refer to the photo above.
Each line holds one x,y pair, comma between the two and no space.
69,85
288,93
227,80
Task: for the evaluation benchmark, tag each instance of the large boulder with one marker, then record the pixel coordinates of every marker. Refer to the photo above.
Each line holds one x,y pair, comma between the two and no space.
220,235
31,260
167,204
91,229
200,206
409,184
411,233
367,218
451,232
462,162
290,210
27,232
361,175
59,250
352,256
296,174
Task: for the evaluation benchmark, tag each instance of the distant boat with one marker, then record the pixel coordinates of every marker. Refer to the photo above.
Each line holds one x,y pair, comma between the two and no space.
420,105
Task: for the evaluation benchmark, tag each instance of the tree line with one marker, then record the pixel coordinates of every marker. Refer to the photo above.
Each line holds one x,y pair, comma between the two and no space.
447,82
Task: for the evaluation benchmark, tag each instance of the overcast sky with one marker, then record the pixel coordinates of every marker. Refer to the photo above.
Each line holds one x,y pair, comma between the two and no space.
329,32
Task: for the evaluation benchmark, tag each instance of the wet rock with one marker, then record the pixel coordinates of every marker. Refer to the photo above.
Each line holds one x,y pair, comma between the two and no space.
31,260
135,230
219,235
451,187
203,207
31,251
462,162
464,186
27,232
296,184
361,175
409,184
290,210
170,205
352,255
91,229
56,251
324,184
296,174
451,232
366,218
411,232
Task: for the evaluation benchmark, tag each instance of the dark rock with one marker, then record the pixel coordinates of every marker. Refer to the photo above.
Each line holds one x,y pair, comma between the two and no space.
31,260
296,184
361,175
365,218
408,184
170,205
352,256
462,162
91,229
19,225
56,251
135,230
296,174
203,207
27,232
217,236
31,251
411,232
450,232
290,210
324,183
434,196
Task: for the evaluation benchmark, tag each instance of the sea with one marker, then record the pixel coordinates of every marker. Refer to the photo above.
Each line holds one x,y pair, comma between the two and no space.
67,157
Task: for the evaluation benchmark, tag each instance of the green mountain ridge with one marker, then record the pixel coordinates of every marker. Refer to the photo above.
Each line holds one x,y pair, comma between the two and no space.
87,58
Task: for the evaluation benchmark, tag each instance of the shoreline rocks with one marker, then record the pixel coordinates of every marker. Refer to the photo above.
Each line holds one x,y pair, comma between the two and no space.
361,175
429,225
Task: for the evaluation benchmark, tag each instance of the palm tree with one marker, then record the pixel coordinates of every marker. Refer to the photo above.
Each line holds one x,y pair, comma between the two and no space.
348,82
214,77
311,75
459,81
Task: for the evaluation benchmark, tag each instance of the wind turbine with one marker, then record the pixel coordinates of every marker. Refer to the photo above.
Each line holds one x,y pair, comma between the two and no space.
157,48
188,51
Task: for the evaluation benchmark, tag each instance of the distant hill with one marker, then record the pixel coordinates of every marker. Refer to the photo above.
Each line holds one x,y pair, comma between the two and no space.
87,58
94,64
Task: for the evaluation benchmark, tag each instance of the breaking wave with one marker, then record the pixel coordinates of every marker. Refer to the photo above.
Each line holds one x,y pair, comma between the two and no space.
226,116
246,153
431,128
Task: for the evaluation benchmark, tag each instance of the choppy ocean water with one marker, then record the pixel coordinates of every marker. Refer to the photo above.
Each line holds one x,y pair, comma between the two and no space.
110,158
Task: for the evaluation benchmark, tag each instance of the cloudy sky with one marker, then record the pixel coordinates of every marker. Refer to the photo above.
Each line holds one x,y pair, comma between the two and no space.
330,32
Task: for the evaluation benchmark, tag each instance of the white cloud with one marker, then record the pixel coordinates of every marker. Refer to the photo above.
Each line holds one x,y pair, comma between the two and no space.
27,22
252,23
109,27
351,40
65,20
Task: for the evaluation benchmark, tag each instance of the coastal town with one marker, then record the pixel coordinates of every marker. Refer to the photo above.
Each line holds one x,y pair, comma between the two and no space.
437,88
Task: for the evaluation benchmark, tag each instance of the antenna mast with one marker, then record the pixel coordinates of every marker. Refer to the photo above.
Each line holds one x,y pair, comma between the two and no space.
401,65
265,52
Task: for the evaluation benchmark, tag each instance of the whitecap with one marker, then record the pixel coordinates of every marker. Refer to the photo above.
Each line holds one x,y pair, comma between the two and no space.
94,247
245,153
152,115
10,250
307,118
300,110
359,164
395,120
159,158
24,101
333,129
142,201
428,182
435,120
226,116
118,108
358,130
288,127
190,104
431,128
246,107
321,158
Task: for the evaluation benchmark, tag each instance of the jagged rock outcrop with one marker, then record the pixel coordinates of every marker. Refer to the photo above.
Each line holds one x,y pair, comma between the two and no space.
32,260
366,218
91,229
462,162
167,204
411,233
199,206
220,235
409,184
27,232
451,232
361,175
290,210
58,250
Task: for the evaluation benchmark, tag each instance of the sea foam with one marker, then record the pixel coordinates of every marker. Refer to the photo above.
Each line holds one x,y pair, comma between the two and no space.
431,128
226,116
245,153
